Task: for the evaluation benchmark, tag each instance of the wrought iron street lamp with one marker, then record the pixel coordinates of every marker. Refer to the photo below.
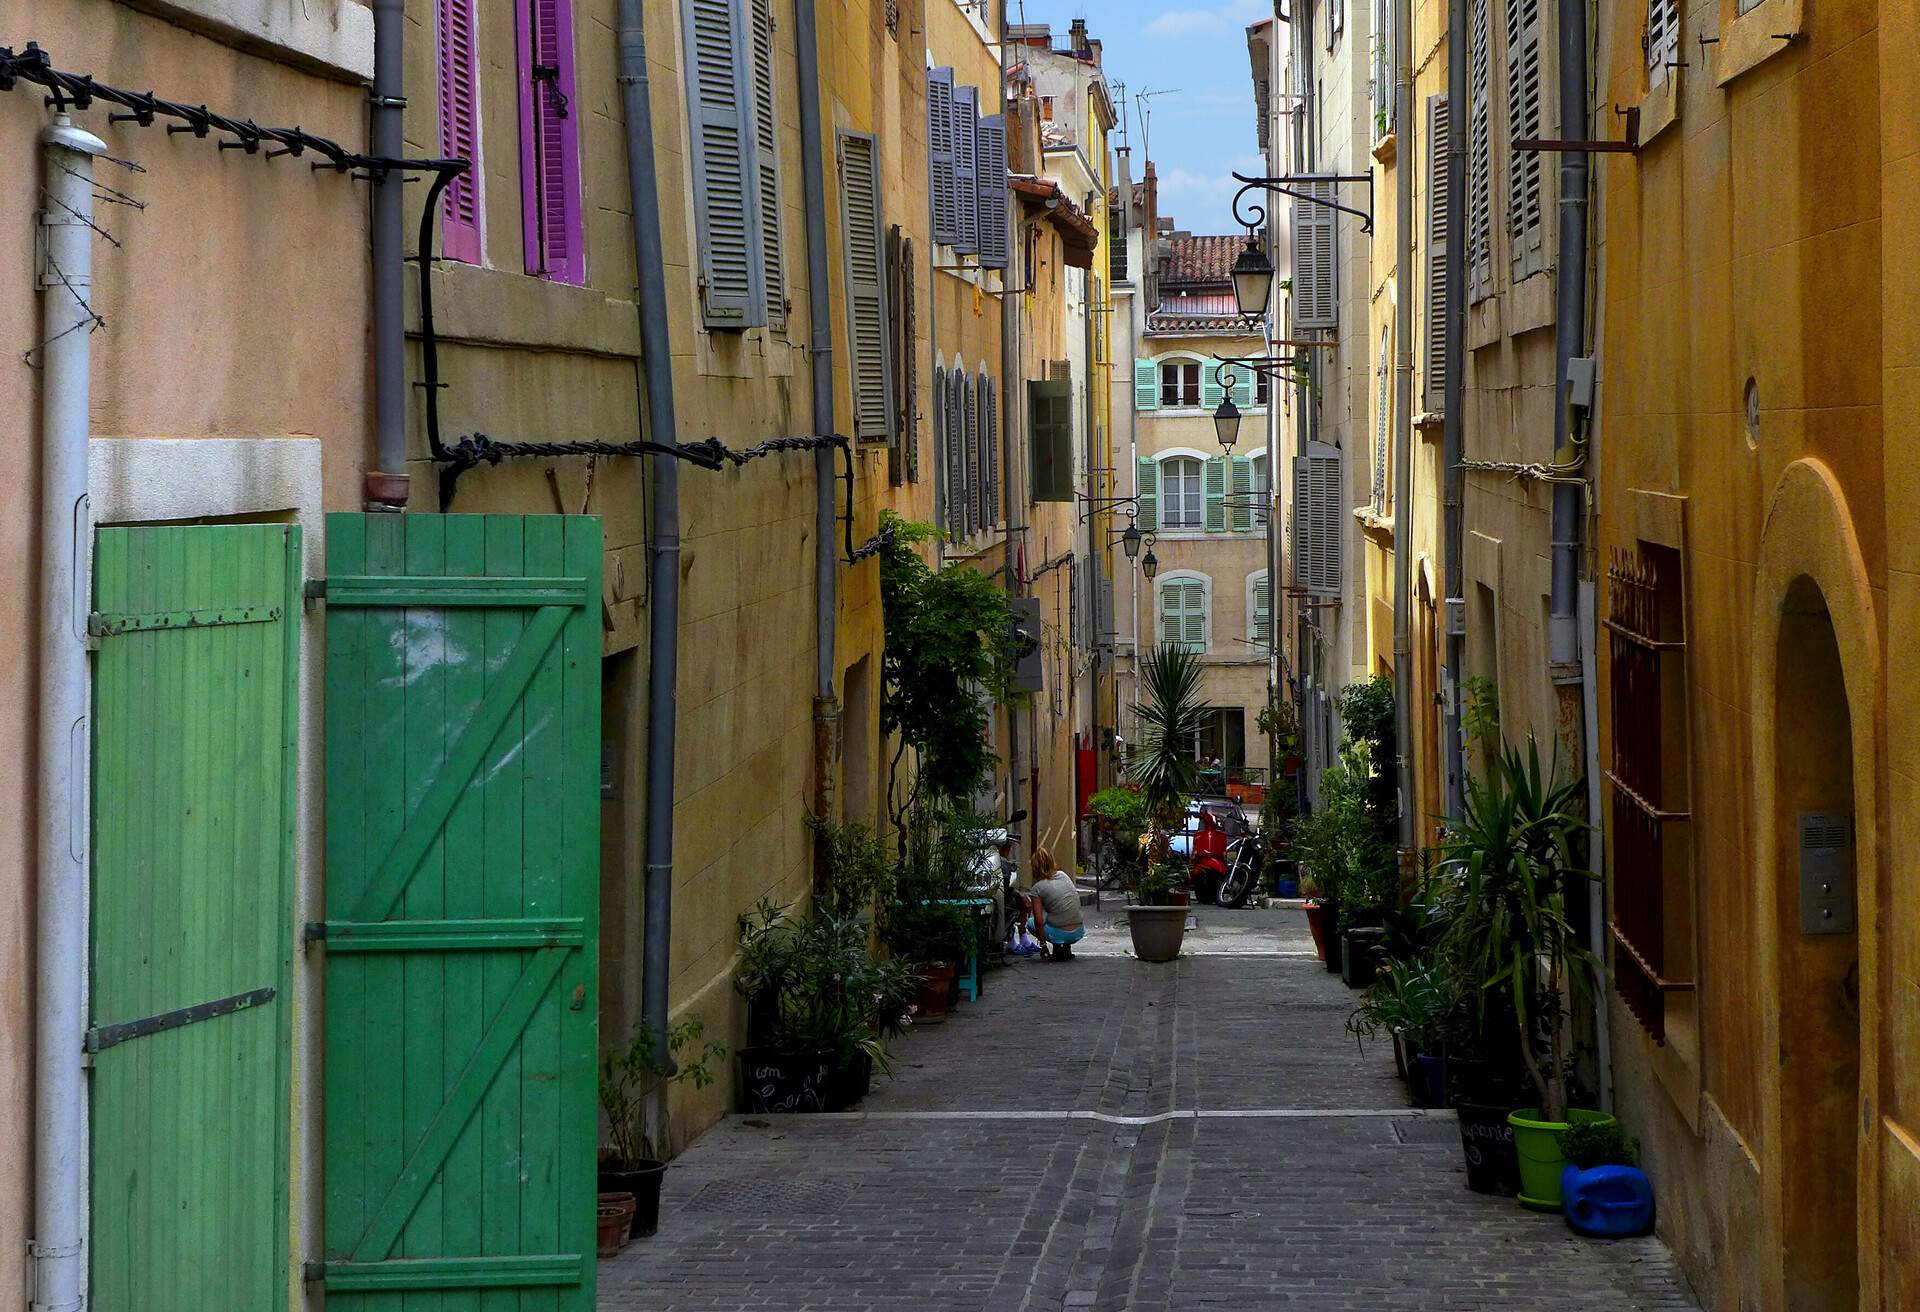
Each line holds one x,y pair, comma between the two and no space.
1149,564
1252,280
1130,540
1226,420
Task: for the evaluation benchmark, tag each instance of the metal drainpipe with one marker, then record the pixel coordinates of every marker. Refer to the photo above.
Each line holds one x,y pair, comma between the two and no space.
1403,543
813,170
1452,441
663,555
58,1247
386,483
1011,416
1570,333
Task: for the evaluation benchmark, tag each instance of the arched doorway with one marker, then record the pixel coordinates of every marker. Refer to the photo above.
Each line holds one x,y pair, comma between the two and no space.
1818,955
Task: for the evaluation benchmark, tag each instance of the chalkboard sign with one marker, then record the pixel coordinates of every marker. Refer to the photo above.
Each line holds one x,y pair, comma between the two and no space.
1486,1140
774,1082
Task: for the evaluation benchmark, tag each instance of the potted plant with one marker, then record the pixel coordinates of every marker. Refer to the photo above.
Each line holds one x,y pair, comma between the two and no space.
1157,920
1417,1004
1604,1192
1163,765
635,1079
783,1065
934,936
1512,858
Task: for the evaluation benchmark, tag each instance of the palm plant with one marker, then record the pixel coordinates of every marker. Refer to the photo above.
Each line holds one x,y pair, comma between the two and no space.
1170,717
1511,865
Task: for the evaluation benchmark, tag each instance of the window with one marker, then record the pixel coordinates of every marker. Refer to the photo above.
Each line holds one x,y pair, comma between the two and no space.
1262,490
1046,109
1117,246
1262,388
728,202
1661,40
1526,215
1180,492
459,131
1480,156
549,142
1183,610
865,274
1259,609
1384,71
1180,383
1050,411
1651,842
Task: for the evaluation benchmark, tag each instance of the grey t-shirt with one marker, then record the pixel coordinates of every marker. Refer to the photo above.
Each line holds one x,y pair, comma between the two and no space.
1061,898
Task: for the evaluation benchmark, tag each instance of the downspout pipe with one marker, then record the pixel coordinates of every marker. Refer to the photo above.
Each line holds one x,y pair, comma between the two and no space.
58,1247
1012,412
1563,640
1403,515
813,171
663,555
1453,432
386,482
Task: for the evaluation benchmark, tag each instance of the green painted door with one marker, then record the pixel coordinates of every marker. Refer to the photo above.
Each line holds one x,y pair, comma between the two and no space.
463,802
195,720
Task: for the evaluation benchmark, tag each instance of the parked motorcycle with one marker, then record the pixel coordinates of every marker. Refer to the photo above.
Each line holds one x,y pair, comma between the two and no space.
1246,859
1227,859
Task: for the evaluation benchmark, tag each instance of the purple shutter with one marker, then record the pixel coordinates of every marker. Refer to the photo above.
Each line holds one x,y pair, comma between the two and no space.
459,132
550,142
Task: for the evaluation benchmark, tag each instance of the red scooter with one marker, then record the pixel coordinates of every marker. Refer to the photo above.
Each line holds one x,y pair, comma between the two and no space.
1208,865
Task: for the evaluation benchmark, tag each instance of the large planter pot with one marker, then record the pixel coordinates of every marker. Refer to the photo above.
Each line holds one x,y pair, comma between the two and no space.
1402,1056
1536,1143
772,1081
1288,888
1607,1202
614,1218
849,1081
936,994
1320,924
1486,1141
643,1183
1359,956
1427,1077
1157,931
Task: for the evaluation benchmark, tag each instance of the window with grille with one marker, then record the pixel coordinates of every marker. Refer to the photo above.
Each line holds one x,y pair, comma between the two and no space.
1180,383
1651,845
1181,497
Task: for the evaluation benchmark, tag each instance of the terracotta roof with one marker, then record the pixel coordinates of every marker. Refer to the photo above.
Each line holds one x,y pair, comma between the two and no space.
1199,259
1075,227
1222,325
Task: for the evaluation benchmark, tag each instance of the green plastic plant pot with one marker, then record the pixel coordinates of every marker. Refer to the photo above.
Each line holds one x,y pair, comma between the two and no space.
1536,1143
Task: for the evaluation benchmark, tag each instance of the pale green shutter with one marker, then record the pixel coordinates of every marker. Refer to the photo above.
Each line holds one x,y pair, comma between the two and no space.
1210,390
1240,512
1243,389
1263,609
1194,615
1146,385
1147,490
1215,477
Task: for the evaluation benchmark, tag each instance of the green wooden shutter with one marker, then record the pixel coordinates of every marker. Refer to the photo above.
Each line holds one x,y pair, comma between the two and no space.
766,134
1183,613
462,903
1214,485
727,198
1146,476
1195,607
1243,389
865,270
1146,385
195,724
1240,506
1211,393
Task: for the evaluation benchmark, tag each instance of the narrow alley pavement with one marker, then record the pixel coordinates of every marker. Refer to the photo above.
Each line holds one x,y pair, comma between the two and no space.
1115,1135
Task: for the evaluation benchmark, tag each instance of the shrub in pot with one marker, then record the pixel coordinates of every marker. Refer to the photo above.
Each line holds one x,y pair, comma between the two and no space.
933,937
1603,1192
1157,921
635,1080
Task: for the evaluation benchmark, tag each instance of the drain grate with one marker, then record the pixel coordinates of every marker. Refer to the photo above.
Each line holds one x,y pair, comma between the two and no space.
763,1197
1427,1130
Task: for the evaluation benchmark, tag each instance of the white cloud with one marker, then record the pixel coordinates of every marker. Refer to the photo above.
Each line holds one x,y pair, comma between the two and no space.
1217,21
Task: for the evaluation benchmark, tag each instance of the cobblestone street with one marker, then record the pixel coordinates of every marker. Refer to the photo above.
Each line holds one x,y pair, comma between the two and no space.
1110,1135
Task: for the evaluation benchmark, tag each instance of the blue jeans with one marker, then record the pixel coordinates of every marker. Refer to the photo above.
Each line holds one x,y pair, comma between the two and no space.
1057,935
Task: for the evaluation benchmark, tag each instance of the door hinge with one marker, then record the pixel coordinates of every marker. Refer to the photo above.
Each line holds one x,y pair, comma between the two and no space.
314,931
314,590
102,1037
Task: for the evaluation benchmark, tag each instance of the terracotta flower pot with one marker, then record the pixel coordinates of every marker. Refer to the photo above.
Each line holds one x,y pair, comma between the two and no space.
1319,923
615,1216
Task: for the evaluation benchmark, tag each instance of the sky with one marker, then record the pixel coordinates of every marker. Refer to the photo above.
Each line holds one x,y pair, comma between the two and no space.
1189,58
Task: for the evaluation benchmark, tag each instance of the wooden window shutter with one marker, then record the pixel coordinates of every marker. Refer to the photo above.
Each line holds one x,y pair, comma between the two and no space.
1382,424
550,142
766,133
995,241
1316,302
1317,519
900,351
1214,483
907,316
946,217
983,402
1196,609
1210,390
992,408
1262,609
970,435
966,185
864,269
1438,126
1146,385
1243,389
1240,494
459,131
1146,486
1526,218
1480,156
1662,38
941,439
956,456
726,166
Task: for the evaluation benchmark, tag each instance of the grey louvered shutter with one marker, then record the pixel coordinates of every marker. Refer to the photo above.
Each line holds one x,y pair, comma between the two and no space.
1318,514
1316,301
766,129
908,378
970,432
966,184
991,163
956,456
990,425
946,217
864,271
726,167
1263,609
1526,216
1480,156
1382,424
942,469
1438,126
